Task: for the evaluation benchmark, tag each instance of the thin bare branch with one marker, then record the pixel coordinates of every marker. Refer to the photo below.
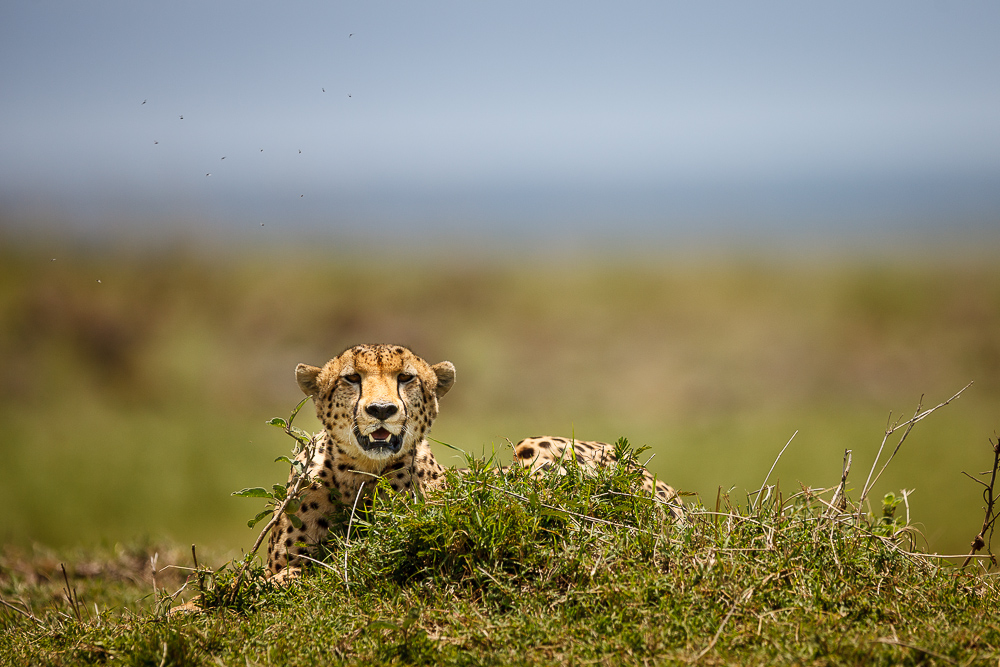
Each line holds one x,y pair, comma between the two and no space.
24,612
989,520
839,500
71,595
977,481
908,425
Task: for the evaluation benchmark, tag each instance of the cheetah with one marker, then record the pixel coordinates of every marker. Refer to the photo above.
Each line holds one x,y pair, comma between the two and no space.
377,403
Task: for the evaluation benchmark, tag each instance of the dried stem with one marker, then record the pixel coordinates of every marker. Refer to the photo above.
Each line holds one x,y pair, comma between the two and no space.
839,499
908,426
980,541
773,465
23,612
71,595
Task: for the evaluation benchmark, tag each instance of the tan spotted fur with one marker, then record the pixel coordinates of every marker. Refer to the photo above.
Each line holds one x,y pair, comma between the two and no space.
545,451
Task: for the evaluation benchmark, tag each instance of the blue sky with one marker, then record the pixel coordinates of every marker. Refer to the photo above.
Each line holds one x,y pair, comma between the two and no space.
501,117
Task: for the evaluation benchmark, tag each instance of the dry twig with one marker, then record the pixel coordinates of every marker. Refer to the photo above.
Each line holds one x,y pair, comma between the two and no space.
773,465
24,612
74,603
839,499
989,520
908,425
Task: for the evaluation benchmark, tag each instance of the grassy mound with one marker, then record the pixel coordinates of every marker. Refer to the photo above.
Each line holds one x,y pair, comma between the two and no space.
570,568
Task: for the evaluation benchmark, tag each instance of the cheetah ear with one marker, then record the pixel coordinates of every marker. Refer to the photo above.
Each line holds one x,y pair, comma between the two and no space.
305,375
445,372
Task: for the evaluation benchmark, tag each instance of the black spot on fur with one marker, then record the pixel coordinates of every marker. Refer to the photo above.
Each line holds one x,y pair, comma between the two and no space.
545,444
527,453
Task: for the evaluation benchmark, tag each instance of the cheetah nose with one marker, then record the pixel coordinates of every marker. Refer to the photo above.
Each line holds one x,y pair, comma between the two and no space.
381,410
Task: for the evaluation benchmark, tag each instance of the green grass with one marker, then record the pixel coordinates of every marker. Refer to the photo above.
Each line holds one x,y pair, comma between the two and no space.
566,569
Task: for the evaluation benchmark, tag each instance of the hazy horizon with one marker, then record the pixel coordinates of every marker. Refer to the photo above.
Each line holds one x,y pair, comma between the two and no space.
642,120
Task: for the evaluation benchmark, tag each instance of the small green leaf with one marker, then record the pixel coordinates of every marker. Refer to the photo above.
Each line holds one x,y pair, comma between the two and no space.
260,517
300,435
283,458
297,408
293,506
296,521
279,491
277,421
255,492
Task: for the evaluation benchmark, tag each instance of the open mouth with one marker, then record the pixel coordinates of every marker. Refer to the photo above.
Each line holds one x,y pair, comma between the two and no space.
380,440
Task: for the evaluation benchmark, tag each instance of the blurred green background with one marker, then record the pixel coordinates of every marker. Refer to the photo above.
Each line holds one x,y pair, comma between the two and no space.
135,380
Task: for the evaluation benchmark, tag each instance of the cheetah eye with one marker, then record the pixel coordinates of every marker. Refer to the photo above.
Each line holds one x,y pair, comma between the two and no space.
404,377
353,378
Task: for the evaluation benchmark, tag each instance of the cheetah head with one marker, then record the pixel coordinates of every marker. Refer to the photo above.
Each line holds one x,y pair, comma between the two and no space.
376,401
